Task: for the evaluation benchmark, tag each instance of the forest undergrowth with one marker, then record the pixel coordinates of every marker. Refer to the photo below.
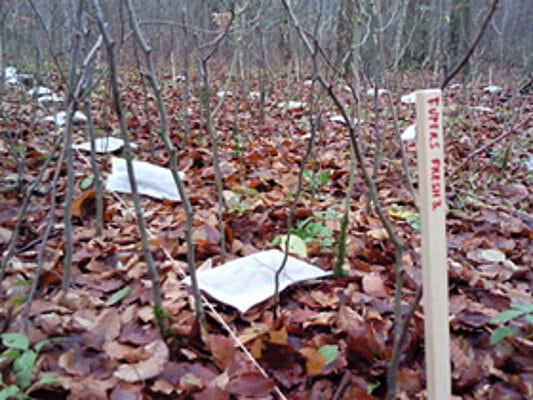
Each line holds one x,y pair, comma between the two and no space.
333,339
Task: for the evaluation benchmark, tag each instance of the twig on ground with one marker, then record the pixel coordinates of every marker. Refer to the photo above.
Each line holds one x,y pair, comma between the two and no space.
489,144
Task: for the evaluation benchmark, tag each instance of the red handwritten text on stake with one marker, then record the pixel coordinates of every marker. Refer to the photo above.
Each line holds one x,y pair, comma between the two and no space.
434,146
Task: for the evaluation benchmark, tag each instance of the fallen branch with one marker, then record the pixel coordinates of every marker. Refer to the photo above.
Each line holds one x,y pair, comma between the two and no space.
489,144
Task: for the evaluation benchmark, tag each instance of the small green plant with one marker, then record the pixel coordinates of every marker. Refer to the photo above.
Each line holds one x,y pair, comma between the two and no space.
309,229
500,158
304,124
19,290
314,228
402,212
87,181
372,387
239,203
316,180
24,357
237,142
515,312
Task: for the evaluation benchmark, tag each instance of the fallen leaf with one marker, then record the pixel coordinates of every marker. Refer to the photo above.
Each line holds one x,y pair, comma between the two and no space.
223,350
84,205
347,317
296,245
73,362
315,360
104,329
409,381
126,392
373,285
146,369
377,234
162,386
5,235
89,388
487,255
123,352
250,384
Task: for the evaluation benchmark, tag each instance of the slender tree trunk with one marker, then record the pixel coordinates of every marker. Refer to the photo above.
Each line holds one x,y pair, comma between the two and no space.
460,28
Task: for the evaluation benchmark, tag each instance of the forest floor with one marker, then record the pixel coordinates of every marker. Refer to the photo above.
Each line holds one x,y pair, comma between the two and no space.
333,339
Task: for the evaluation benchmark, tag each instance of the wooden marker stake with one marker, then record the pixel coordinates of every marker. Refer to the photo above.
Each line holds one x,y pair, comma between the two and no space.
430,145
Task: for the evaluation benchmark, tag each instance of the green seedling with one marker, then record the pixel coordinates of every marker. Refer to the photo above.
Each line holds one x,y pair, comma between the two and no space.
87,181
304,124
401,212
18,351
516,311
316,180
313,228
372,387
19,292
240,202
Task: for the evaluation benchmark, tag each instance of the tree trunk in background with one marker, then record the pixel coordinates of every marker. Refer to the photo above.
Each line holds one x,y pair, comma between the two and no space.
345,32
399,45
284,44
411,55
3,61
438,33
460,32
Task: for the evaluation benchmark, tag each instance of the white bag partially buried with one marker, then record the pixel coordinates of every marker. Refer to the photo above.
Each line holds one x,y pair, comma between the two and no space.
247,281
152,180
107,144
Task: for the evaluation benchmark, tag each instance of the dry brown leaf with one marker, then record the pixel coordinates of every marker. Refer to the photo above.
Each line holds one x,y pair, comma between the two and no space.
409,380
104,329
373,285
126,392
89,388
146,369
321,319
257,348
251,384
278,336
347,317
377,234
131,354
73,363
5,235
84,205
326,298
253,331
315,361
163,386
223,350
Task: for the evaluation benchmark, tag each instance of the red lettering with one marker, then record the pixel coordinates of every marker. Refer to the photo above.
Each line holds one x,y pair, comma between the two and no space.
435,204
435,189
435,169
433,118
434,140
435,177
434,101
433,115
